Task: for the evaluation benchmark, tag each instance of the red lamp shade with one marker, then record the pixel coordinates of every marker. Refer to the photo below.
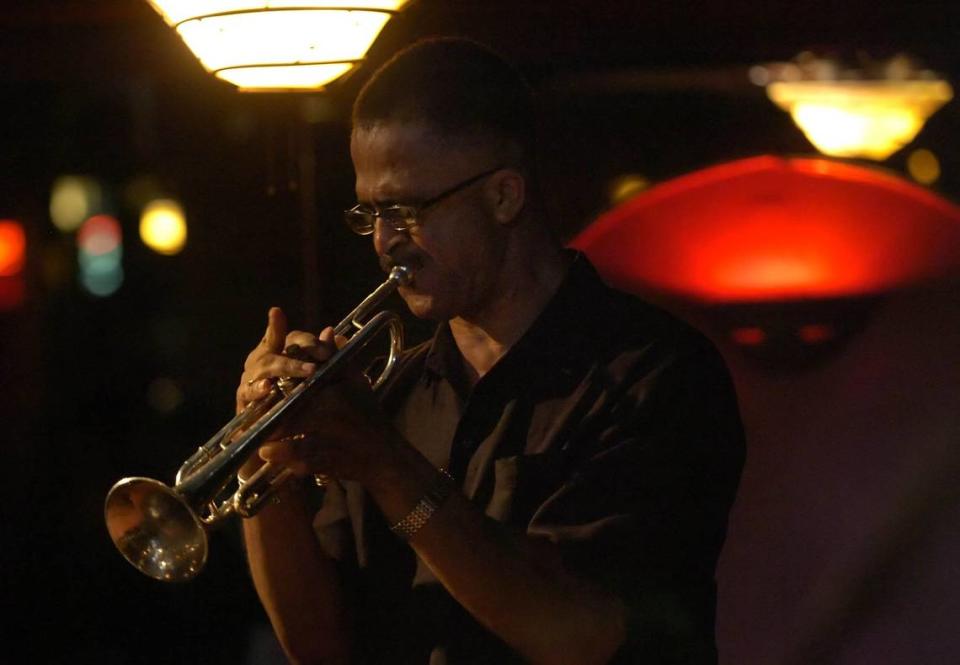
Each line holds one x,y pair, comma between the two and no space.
769,228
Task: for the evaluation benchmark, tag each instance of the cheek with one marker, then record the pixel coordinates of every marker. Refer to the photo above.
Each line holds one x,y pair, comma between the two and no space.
462,247
460,259
456,268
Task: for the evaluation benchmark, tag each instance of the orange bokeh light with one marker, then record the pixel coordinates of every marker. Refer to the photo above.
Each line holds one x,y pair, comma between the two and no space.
13,247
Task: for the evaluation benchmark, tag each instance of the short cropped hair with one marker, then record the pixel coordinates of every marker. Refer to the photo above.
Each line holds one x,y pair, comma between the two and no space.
456,86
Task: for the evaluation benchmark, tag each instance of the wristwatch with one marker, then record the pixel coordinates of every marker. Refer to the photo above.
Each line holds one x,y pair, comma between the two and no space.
440,490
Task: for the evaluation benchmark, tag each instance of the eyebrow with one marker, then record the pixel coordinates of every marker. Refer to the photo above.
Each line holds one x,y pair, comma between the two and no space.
392,199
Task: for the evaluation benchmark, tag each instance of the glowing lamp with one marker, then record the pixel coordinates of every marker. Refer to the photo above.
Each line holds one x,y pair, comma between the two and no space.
13,248
163,226
270,45
871,119
768,229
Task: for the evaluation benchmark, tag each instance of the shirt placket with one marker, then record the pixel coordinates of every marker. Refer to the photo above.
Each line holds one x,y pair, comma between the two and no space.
472,430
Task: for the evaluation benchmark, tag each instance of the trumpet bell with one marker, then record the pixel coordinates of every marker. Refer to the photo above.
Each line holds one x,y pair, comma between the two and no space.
156,530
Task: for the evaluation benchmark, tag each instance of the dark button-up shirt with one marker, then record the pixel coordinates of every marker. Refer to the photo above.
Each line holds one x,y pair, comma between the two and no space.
610,429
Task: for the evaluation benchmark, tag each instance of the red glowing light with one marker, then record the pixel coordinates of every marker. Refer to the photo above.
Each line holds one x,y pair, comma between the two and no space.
769,228
815,333
99,235
748,336
13,247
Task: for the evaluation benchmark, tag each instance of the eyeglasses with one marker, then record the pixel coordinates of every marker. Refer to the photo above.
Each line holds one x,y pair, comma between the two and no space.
363,218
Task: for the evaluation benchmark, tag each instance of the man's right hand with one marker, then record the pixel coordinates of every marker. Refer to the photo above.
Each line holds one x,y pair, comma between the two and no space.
268,362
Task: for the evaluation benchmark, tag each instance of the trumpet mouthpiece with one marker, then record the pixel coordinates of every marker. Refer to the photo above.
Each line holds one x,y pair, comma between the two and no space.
401,274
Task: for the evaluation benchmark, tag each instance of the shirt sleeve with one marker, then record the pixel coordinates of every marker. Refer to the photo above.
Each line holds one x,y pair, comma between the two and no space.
642,508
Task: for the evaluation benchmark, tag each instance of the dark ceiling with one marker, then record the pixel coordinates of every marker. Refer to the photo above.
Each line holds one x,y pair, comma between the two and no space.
630,81
87,39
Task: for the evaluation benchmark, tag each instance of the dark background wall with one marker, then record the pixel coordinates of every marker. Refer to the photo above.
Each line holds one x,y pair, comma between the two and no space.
843,544
844,537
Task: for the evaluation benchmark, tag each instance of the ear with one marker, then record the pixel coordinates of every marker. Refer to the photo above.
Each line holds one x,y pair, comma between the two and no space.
505,195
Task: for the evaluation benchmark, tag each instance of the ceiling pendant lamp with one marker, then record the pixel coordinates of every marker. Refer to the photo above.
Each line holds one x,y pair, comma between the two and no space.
869,112
276,45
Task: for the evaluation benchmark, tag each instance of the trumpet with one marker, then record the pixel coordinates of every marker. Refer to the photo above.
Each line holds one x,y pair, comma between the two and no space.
163,530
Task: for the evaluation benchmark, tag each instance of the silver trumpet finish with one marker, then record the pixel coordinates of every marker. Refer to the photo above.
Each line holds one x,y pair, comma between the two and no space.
162,530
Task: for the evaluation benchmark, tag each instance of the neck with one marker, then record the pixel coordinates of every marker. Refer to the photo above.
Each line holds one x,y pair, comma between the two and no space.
526,284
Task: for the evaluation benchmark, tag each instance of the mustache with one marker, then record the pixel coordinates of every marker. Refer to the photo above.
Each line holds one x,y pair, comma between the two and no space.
389,260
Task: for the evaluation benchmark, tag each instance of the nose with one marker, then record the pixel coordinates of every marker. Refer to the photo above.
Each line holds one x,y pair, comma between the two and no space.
386,238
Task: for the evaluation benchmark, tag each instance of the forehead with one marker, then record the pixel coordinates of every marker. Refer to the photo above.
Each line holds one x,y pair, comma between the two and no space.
397,160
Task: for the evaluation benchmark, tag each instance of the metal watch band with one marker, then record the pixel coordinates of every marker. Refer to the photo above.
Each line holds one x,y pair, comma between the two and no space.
439,492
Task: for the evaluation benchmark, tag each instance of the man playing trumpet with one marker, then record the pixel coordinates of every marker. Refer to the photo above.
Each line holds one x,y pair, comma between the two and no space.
548,479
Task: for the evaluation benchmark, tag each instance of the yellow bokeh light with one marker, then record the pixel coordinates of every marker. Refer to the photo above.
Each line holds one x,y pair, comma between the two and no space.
163,226
923,166
72,200
871,119
278,45
627,186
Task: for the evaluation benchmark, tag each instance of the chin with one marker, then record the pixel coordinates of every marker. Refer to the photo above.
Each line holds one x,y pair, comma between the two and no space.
422,306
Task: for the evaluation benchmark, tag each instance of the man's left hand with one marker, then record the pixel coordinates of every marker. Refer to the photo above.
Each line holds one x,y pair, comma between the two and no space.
337,429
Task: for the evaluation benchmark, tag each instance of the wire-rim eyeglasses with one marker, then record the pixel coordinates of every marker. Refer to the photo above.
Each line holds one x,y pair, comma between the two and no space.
362,218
